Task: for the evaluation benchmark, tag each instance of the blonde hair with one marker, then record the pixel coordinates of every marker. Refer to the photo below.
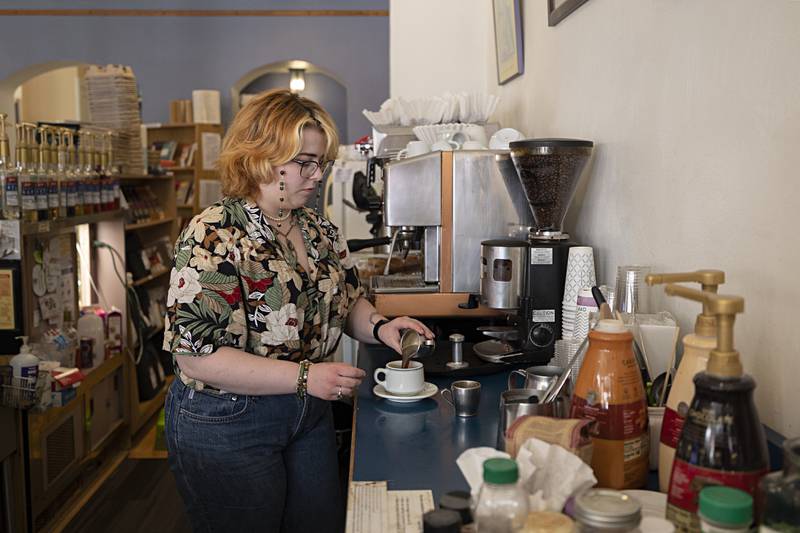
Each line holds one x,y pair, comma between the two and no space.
267,132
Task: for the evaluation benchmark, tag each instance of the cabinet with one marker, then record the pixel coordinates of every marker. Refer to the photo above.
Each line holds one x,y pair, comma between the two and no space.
197,182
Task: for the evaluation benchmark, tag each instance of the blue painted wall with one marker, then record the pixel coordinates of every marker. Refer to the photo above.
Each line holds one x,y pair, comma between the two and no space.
173,55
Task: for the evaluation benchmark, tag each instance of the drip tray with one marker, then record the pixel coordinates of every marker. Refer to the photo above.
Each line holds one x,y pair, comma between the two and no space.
401,283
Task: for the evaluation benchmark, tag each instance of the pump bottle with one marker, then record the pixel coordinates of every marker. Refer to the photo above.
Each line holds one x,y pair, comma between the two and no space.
696,349
722,442
25,364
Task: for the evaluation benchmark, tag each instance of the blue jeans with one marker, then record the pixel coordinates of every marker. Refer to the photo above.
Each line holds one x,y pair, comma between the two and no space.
254,463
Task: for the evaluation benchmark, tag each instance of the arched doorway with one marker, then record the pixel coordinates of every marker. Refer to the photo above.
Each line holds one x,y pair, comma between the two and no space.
321,86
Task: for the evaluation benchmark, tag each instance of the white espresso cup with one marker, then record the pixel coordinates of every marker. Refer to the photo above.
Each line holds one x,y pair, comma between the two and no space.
414,148
401,381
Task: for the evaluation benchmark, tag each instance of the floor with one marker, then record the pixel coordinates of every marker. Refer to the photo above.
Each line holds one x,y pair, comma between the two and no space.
140,497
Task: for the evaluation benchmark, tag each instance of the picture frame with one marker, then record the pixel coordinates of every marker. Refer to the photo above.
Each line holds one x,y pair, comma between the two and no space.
508,39
558,10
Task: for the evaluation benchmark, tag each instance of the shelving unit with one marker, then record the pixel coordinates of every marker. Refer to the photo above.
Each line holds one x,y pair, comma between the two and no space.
188,134
149,232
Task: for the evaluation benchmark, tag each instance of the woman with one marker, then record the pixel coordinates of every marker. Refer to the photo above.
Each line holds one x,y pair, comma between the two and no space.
260,294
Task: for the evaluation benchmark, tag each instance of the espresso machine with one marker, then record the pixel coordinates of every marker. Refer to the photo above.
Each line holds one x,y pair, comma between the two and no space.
525,277
444,204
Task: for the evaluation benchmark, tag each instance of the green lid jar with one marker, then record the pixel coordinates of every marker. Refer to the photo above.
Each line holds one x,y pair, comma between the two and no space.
500,471
725,509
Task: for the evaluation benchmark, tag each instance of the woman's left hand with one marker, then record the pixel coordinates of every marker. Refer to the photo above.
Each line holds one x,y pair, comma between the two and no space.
390,332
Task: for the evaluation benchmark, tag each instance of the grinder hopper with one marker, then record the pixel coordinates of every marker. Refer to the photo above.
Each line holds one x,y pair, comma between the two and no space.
549,170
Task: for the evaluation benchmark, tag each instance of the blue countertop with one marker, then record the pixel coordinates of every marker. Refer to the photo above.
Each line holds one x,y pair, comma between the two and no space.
415,445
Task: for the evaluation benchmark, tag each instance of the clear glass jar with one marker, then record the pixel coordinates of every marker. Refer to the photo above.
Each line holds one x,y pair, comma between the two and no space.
502,505
780,492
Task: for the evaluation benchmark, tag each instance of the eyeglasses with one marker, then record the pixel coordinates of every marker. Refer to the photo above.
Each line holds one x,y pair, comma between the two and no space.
309,168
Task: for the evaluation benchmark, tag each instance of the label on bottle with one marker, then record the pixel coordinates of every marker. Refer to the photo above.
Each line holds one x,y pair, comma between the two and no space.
28,191
95,191
29,371
52,194
12,191
41,193
671,428
687,482
72,193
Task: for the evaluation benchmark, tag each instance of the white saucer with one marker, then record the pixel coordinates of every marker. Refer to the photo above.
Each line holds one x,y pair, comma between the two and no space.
427,391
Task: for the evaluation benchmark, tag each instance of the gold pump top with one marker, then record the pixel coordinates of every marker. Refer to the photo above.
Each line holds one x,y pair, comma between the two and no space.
20,147
706,323
5,150
723,361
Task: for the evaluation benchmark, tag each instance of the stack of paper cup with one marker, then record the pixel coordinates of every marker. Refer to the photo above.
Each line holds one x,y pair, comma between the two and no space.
580,274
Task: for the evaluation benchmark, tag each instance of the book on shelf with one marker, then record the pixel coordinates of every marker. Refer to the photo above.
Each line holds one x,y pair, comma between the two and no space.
183,154
190,157
168,150
183,192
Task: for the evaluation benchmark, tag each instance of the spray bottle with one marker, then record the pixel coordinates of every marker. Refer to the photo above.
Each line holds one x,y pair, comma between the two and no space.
696,349
722,442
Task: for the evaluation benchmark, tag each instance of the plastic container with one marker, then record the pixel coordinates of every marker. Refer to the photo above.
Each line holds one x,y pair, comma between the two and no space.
725,510
502,504
25,364
91,325
607,511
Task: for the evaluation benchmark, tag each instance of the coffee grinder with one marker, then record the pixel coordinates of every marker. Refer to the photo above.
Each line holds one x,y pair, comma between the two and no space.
525,278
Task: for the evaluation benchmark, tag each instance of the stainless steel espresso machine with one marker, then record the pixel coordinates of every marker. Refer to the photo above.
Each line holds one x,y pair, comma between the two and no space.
525,277
445,204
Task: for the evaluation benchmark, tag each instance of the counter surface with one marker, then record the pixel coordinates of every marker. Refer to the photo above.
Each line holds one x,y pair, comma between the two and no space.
415,445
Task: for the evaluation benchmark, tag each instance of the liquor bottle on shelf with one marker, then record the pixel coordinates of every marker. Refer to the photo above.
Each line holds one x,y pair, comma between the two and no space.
61,172
113,173
105,174
85,175
52,172
42,180
94,176
27,185
8,175
70,177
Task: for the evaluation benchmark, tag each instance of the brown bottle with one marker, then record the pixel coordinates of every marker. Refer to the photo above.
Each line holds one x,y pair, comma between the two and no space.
722,442
609,390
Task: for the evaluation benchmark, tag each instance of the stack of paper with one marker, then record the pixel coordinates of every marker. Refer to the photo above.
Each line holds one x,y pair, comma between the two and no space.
114,104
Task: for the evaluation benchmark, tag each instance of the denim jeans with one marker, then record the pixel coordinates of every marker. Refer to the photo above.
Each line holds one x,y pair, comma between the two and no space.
254,463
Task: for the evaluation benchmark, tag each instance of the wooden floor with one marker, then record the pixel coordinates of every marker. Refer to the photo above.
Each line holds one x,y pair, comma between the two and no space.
140,497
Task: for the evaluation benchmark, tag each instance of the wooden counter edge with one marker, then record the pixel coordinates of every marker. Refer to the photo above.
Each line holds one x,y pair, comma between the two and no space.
431,304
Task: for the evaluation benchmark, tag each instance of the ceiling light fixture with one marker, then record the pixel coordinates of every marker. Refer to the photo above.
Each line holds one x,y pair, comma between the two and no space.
297,80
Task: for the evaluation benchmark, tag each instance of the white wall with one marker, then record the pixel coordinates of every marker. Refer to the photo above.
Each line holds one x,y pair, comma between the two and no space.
443,46
695,113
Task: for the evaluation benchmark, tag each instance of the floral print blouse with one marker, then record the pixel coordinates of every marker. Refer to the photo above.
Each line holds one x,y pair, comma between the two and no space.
235,284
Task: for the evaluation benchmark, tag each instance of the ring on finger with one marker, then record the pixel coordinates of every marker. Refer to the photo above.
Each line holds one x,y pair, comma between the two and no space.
339,393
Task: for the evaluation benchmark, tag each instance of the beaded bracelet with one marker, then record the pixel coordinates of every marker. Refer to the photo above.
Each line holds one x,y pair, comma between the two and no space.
302,378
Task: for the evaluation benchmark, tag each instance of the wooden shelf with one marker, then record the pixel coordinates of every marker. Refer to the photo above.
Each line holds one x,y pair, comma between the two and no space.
179,169
59,224
145,448
151,277
145,177
167,126
149,224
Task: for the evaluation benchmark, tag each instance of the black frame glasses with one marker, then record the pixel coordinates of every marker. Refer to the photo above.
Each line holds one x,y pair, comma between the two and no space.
309,168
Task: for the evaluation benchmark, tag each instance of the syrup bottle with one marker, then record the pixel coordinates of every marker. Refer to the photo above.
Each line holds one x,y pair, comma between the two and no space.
722,442
42,180
113,173
609,390
52,172
27,183
696,349
84,179
9,181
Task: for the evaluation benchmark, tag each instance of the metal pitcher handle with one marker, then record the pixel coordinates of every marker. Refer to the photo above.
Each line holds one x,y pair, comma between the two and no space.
511,377
446,398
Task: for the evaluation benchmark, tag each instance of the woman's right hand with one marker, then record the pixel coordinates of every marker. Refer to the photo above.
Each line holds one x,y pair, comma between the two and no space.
332,381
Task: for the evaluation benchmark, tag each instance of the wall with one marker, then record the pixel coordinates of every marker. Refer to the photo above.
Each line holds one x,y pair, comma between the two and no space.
173,55
40,102
439,46
694,109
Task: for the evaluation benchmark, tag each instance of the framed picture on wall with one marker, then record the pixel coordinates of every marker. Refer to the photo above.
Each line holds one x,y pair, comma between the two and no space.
508,39
558,10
